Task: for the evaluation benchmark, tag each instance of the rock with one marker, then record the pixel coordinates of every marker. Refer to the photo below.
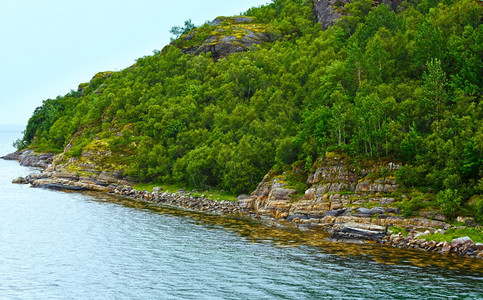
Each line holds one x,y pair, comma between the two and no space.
56,186
335,213
363,212
386,201
30,159
357,231
393,210
220,20
328,12
19,180
246,203
462,241
227,36
11,156
311,216
295,218
479,246
242,197
157,190
377,210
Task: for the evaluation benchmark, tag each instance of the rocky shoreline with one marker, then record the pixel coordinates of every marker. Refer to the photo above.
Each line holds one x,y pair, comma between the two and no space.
343,224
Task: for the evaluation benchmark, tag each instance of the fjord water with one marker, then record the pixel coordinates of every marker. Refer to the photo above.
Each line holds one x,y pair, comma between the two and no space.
57,245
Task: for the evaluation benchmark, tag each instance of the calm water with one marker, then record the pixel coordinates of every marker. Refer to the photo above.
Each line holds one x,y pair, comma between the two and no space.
56,245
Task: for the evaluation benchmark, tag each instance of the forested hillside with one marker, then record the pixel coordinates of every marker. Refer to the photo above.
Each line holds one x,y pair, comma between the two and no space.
380,84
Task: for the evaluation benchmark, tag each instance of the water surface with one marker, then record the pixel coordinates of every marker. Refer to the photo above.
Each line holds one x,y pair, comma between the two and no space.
57,245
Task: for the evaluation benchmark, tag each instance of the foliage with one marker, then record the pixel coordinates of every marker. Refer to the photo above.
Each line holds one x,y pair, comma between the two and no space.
178,31
403,86
474,233
397,230
449,202
410,205
213,194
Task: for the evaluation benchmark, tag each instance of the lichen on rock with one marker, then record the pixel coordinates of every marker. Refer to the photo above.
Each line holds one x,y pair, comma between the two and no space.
226,35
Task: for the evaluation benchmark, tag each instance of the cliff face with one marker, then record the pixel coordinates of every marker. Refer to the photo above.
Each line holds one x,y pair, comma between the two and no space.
328,12
334,184
349,199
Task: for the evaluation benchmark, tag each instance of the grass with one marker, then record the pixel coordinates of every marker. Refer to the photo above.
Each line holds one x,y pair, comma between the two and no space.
396,230
212,194
475,234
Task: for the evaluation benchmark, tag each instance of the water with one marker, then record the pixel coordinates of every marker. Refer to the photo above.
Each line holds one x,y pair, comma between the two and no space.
56,245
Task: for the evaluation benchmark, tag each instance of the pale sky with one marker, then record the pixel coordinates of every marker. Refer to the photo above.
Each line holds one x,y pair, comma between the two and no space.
48,47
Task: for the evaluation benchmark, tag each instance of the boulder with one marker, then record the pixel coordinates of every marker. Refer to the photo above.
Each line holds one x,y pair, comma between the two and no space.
11,156
30,159
461,241
19,180
157,190
356,231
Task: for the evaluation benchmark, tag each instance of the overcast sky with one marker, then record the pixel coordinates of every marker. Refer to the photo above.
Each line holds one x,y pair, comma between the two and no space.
48,47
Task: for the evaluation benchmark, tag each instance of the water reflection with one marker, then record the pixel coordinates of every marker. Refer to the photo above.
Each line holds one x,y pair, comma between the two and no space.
260,231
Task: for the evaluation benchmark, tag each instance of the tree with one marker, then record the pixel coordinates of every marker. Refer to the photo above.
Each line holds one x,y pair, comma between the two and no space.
434,90
178,31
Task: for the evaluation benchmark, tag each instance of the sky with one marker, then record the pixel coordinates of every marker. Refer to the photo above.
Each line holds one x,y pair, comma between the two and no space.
48,47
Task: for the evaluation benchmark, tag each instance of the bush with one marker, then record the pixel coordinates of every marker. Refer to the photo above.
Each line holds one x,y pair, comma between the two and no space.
479,211
449,202
409,206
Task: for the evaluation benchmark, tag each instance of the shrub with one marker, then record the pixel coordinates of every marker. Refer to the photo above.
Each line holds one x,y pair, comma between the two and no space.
449,202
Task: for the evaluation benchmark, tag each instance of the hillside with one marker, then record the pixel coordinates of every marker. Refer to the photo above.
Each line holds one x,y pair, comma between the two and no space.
277,89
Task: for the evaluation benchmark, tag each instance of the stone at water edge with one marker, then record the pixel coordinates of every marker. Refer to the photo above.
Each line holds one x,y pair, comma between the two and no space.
157,190
19,180
462,241
11,156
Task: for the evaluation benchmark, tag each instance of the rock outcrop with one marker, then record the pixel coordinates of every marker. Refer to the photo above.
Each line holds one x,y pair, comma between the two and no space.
328,12
29,158
333,185
224,36
347,199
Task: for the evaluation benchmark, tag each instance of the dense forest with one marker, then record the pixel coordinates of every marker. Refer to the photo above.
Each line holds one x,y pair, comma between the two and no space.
402,85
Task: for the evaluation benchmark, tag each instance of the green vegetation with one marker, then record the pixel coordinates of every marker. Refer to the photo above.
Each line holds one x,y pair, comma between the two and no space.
397,230
173,188
475,234
378,85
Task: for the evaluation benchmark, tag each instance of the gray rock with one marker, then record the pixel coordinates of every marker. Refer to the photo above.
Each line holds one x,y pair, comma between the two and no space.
19,180
300,217
377,210
335,213
223,44
30,159
462,241
242,197
157,190
11,156
62,187
328,12
354,231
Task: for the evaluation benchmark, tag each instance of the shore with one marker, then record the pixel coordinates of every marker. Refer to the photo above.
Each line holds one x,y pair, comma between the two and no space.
343,225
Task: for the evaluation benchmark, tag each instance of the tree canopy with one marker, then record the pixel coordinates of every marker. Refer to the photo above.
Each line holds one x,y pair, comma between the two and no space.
379,84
